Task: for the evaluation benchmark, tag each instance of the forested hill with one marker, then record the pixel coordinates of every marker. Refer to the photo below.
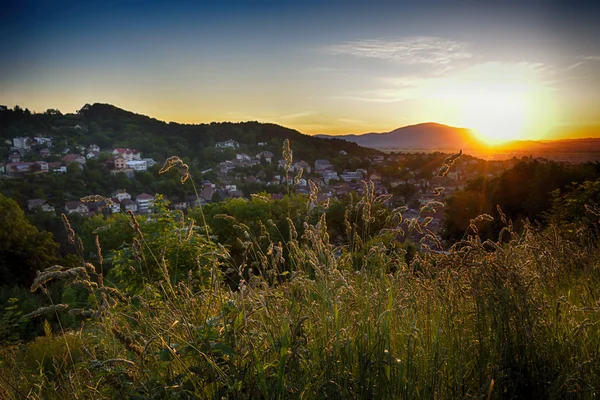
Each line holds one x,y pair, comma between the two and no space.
108,126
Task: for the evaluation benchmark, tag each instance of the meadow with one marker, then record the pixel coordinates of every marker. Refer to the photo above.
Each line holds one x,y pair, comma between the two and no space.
306,317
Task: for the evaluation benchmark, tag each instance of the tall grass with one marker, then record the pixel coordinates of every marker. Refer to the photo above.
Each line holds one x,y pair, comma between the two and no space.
516,318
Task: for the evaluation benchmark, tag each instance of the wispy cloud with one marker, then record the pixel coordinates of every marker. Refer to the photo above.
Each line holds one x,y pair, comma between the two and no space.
408,50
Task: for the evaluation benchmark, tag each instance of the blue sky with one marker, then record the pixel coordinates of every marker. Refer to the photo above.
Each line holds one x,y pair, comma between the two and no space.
316,66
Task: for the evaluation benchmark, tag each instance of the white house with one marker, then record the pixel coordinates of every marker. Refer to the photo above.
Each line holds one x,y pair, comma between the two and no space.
121,195
115,205
228,144
137,165
22,143
127,154
144,202
243,157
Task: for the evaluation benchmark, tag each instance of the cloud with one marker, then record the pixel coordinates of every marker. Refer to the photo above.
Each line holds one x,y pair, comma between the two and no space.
413,50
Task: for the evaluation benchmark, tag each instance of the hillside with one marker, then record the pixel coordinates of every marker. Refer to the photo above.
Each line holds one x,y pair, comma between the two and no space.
421,136
108,126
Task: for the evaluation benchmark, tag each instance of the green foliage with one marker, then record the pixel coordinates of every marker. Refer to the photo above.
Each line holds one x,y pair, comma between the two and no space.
523,193
167,246
23,249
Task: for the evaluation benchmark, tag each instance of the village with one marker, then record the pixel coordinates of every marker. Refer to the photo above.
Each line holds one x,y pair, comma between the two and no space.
264,171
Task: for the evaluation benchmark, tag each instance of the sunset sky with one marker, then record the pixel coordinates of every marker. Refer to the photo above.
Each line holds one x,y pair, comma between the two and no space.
526,69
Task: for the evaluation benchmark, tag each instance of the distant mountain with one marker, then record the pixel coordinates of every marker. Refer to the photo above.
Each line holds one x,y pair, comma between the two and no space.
421,136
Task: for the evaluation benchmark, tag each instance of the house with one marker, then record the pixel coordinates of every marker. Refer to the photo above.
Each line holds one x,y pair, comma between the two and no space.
45,152
144,202
127,154
375,177
74,158
43,140
343,153
329,176
267,155
179,205
39,204
128,172
243,157
129,205
350,176
121,195
137,165
322,165
261,144
228,144
76,207
115,205
22,143
19,168
303,165
94,148
208,189
118,162
41,166
62,169
14,157
282,164
92,154
149,162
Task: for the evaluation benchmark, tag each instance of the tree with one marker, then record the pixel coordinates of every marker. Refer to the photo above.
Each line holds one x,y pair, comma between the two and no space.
23,249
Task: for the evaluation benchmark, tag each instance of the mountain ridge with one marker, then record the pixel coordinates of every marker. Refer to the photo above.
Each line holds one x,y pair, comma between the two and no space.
427,135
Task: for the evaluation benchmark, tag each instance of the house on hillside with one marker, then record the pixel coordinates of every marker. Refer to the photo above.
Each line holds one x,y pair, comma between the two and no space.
227,144
138,166
121,195
322,165
115,205
129,205
22,143
39,204
14,157
243,157
144,202
76,207
267,155
74,158
303,165
116,162
281,164
127,154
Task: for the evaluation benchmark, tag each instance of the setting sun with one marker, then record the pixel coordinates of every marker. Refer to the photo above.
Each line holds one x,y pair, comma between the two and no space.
499,103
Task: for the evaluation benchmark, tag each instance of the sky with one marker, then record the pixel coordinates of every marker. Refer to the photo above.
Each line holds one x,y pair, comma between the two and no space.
508,69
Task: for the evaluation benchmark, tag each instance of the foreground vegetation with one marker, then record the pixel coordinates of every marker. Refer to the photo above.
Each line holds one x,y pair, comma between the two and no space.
295,314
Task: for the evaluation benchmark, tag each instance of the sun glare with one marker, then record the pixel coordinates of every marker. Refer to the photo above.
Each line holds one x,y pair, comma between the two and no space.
498,102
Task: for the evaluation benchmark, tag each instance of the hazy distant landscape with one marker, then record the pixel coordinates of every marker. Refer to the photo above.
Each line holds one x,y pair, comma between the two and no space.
436,137
184,214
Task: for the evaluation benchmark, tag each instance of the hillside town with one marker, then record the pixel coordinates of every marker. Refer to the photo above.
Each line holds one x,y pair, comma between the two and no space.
410,177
